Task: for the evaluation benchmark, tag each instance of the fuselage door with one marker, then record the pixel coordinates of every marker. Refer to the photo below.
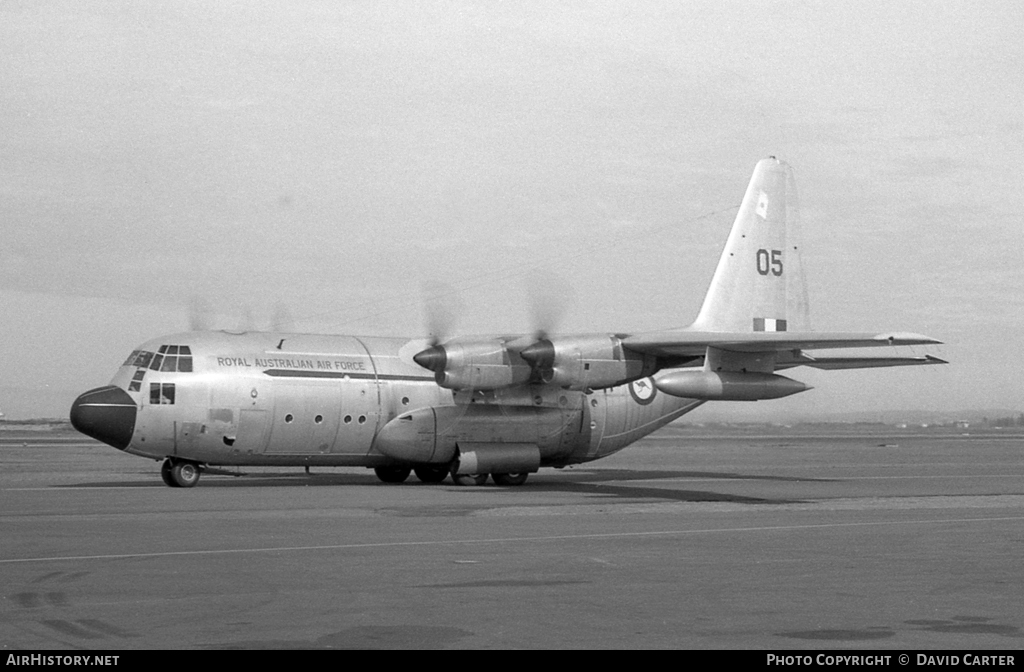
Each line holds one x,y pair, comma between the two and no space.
158,419
252,430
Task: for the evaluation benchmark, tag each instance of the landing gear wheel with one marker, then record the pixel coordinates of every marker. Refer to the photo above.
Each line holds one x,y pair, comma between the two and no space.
180,474
165,473
431,474
510,479
392,474
469,479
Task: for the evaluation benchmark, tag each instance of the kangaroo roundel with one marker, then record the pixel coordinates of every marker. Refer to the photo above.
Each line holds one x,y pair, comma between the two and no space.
643,391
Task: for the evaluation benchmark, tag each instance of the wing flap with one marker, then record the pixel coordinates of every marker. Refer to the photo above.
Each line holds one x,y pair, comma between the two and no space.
694,343
838,363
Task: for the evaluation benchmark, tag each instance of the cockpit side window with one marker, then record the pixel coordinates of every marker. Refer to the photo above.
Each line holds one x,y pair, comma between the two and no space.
136,383
161,393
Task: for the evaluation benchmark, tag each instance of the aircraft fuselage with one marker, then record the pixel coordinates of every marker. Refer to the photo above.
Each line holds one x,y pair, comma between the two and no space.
265,399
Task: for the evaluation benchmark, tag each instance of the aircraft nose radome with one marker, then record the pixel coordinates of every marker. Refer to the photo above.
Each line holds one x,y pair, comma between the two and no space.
106,413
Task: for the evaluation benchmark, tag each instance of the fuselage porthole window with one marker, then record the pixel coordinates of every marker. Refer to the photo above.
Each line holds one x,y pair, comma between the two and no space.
348,419
289,417
318,419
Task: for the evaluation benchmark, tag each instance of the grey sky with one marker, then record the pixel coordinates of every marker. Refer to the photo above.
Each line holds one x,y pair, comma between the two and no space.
334,156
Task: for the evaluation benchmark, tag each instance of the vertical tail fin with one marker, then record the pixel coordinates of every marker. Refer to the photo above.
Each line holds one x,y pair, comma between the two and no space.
759,284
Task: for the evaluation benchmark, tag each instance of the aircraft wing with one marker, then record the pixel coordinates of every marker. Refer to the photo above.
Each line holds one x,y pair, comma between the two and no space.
695,343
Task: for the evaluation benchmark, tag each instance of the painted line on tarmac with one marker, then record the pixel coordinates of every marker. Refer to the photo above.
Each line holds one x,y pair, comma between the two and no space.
505,540
830,478
85,488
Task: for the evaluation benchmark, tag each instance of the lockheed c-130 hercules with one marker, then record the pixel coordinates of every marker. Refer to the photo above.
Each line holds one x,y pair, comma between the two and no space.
472,407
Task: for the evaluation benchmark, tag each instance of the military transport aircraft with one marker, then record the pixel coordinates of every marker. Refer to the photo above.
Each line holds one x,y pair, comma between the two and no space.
500,406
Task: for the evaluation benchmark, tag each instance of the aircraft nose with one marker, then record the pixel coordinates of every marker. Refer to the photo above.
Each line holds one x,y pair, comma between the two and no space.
106,413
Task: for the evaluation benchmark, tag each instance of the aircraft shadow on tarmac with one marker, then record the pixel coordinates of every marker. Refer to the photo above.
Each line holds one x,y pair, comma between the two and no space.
603,483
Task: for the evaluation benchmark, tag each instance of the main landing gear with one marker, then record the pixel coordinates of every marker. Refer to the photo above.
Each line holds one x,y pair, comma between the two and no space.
179,473
510,479
392,474
499,479
437,474
469,479
431,474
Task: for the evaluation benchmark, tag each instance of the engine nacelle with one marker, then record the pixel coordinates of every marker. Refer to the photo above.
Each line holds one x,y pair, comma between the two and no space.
588,362
478,365
728,385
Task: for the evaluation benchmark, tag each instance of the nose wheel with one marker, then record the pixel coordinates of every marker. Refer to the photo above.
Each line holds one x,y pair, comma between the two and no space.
179,474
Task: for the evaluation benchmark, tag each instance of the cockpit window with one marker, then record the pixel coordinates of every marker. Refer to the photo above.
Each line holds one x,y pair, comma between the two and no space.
172,358
139,358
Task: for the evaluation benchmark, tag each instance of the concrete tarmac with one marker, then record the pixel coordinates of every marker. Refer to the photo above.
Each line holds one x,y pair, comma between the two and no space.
780,540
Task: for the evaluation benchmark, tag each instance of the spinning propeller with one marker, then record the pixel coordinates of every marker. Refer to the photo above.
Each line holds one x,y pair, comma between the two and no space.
549,297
